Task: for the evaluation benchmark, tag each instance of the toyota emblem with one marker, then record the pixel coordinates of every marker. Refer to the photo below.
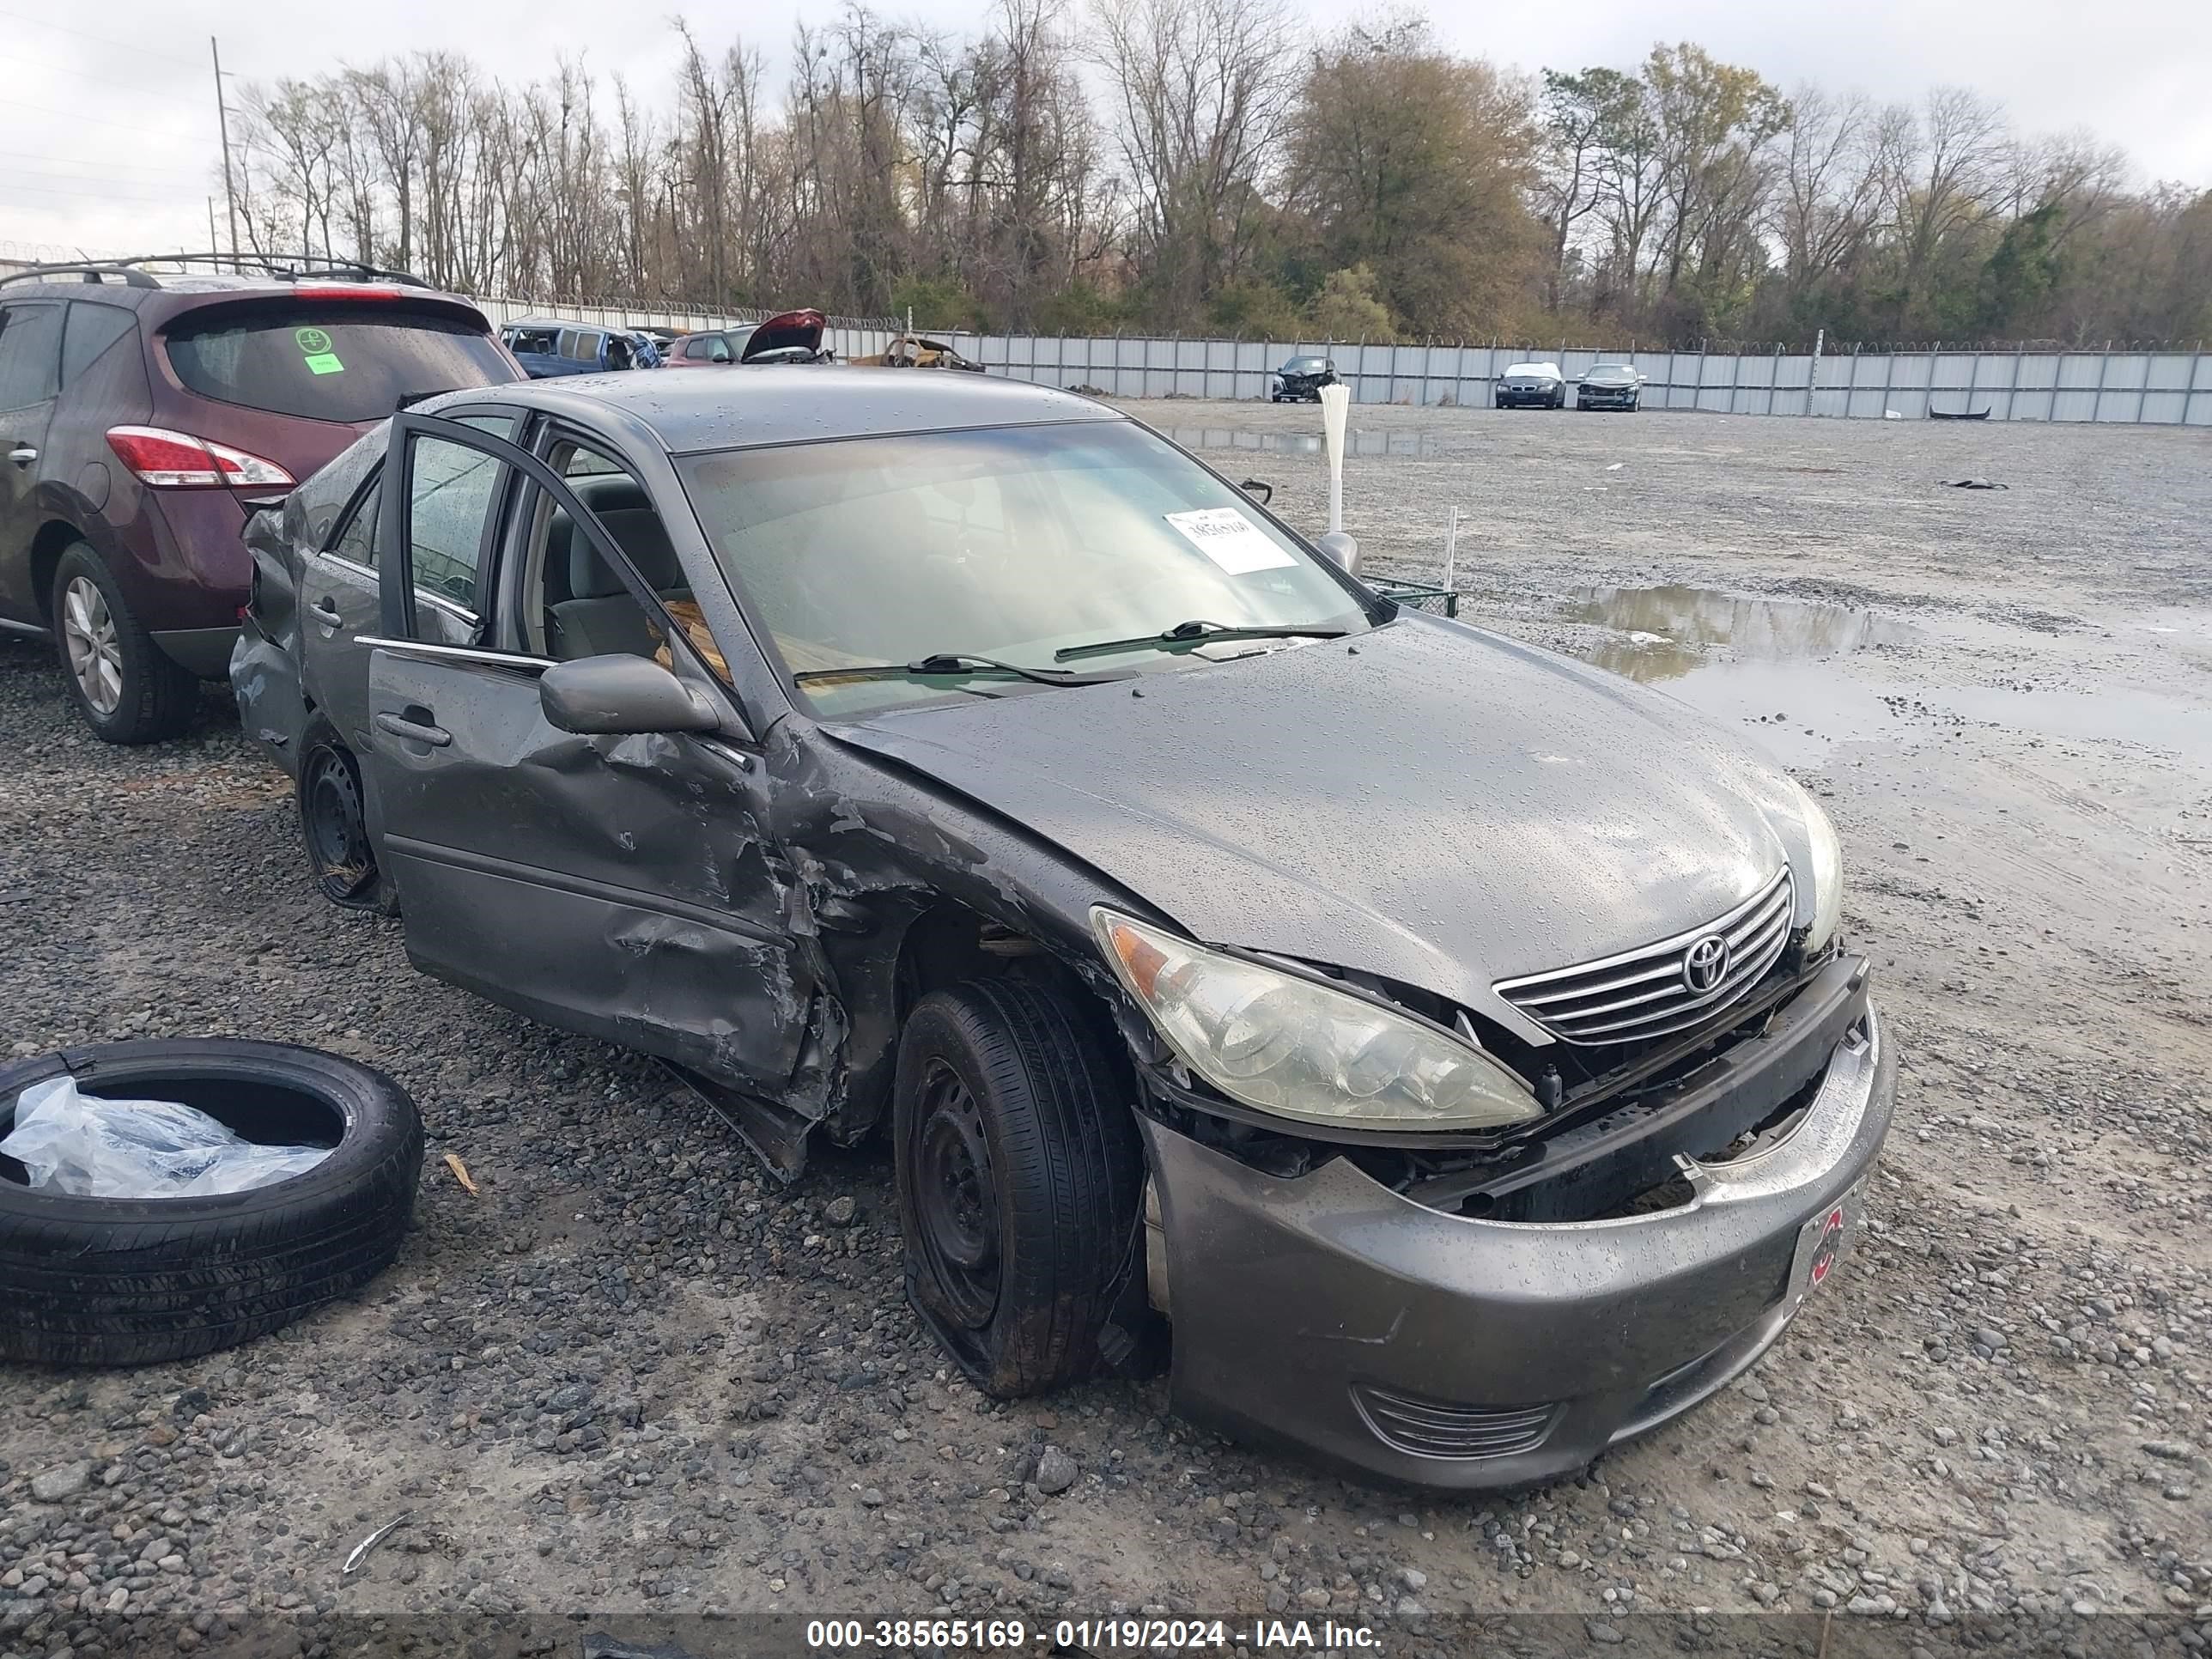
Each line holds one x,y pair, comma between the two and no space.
1705,964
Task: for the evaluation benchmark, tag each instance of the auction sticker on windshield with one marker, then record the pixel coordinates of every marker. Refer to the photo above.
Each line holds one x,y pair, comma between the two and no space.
1230,540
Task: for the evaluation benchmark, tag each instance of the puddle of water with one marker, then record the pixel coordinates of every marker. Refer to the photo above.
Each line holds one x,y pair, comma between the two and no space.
1369,443
1800,711
1771,683
1662,633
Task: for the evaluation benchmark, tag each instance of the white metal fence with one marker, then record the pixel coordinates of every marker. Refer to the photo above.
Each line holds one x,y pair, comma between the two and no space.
2169,388
2153,387
2158,388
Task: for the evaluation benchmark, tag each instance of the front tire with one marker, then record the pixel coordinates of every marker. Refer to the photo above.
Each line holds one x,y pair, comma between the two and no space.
1018,1181
126,686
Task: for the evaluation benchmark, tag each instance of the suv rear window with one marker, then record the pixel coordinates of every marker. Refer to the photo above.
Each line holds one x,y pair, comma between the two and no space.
330,362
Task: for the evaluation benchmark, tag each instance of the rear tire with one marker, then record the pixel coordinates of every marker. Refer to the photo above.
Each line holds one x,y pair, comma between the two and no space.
334,823
126,686
1019,1177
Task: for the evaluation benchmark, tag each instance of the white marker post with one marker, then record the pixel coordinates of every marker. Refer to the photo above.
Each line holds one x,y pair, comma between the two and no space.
1451,548
1335,408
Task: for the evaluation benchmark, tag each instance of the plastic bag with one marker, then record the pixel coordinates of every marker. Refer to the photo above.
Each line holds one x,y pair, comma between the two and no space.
86,1146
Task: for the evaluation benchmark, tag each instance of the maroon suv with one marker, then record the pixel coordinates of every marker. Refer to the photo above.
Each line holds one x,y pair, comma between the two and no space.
143,417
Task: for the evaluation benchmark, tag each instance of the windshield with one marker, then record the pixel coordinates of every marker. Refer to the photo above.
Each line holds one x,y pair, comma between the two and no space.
1303,365
1615,371
1010,544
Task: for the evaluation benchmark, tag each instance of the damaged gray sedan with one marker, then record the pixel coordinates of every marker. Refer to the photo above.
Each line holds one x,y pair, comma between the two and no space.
1445,1054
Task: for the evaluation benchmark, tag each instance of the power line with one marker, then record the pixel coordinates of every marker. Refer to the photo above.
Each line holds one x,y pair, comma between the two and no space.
63,166
138,87
101,40
90,194
74,115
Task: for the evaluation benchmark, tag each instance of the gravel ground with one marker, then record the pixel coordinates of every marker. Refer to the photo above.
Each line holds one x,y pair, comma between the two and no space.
631,1377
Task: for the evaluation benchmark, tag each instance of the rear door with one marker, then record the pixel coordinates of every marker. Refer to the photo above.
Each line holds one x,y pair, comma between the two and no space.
339,601
30,375
619,886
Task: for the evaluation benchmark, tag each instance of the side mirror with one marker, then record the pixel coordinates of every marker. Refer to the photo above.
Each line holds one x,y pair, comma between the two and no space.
1260,487
620,694
1342,549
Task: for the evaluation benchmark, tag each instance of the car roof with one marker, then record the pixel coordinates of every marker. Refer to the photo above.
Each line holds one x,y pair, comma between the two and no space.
773,403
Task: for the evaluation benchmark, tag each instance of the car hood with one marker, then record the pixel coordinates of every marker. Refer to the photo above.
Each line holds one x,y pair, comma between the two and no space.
787,329
1428,802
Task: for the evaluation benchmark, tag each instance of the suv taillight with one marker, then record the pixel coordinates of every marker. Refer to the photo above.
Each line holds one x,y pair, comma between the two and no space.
177,460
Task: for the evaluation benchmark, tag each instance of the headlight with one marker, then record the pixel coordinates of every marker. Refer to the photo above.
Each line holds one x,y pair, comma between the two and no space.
1827,875
1285,1045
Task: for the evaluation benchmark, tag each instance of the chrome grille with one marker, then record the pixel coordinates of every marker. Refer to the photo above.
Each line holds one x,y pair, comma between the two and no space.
1650,992
1435,1428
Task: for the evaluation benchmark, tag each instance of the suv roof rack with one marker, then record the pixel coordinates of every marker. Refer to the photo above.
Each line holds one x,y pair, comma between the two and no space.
89,272
294,265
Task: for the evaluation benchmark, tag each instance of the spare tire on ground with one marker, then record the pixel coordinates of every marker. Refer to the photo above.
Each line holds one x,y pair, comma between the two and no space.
106,1281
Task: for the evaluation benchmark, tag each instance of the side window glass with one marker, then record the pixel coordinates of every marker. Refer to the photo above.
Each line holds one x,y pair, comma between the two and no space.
358,541
718,350
90,330
454,492
30,354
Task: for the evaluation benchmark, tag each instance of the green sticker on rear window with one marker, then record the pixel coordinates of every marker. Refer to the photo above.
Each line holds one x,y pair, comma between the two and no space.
313,341
325,362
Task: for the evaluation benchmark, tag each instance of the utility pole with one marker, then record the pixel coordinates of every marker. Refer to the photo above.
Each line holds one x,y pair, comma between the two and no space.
222,125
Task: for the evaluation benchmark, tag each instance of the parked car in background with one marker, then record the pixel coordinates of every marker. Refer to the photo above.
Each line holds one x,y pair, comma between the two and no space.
1300,381
790,336
548,348
914,351
1610,385
1450,1050
1531,386
142,418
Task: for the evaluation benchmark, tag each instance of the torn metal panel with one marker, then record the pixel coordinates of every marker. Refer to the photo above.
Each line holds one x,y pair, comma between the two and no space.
616,885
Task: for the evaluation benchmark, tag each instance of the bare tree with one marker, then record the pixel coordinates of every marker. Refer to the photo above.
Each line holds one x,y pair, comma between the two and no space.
1199,90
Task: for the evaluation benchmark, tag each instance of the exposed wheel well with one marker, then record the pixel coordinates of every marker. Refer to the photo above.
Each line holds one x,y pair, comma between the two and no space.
949,945
55,538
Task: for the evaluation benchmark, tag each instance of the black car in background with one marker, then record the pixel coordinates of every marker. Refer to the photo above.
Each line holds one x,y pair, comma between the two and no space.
145,412
1301,379
1531,386
1610,385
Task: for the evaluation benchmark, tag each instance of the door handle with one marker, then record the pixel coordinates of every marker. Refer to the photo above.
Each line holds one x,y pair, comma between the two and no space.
22,454
325,612
414,731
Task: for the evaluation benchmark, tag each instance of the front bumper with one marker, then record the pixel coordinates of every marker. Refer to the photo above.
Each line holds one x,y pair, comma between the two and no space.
1528,397
1330,1312
1609,398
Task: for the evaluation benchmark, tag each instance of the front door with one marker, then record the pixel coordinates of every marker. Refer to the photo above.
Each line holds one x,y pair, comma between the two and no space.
616,885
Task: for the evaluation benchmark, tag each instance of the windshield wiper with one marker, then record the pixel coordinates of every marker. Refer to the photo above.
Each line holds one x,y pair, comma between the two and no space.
1198,632
955,662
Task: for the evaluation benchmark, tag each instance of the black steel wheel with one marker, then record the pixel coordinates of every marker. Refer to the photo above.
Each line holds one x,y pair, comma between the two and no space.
956,1199
1019,1178
334,821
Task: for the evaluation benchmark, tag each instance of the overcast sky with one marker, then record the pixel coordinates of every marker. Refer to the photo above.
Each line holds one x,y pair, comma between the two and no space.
107,117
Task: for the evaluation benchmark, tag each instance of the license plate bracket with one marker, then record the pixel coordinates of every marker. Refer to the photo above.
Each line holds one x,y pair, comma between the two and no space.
1824,1242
